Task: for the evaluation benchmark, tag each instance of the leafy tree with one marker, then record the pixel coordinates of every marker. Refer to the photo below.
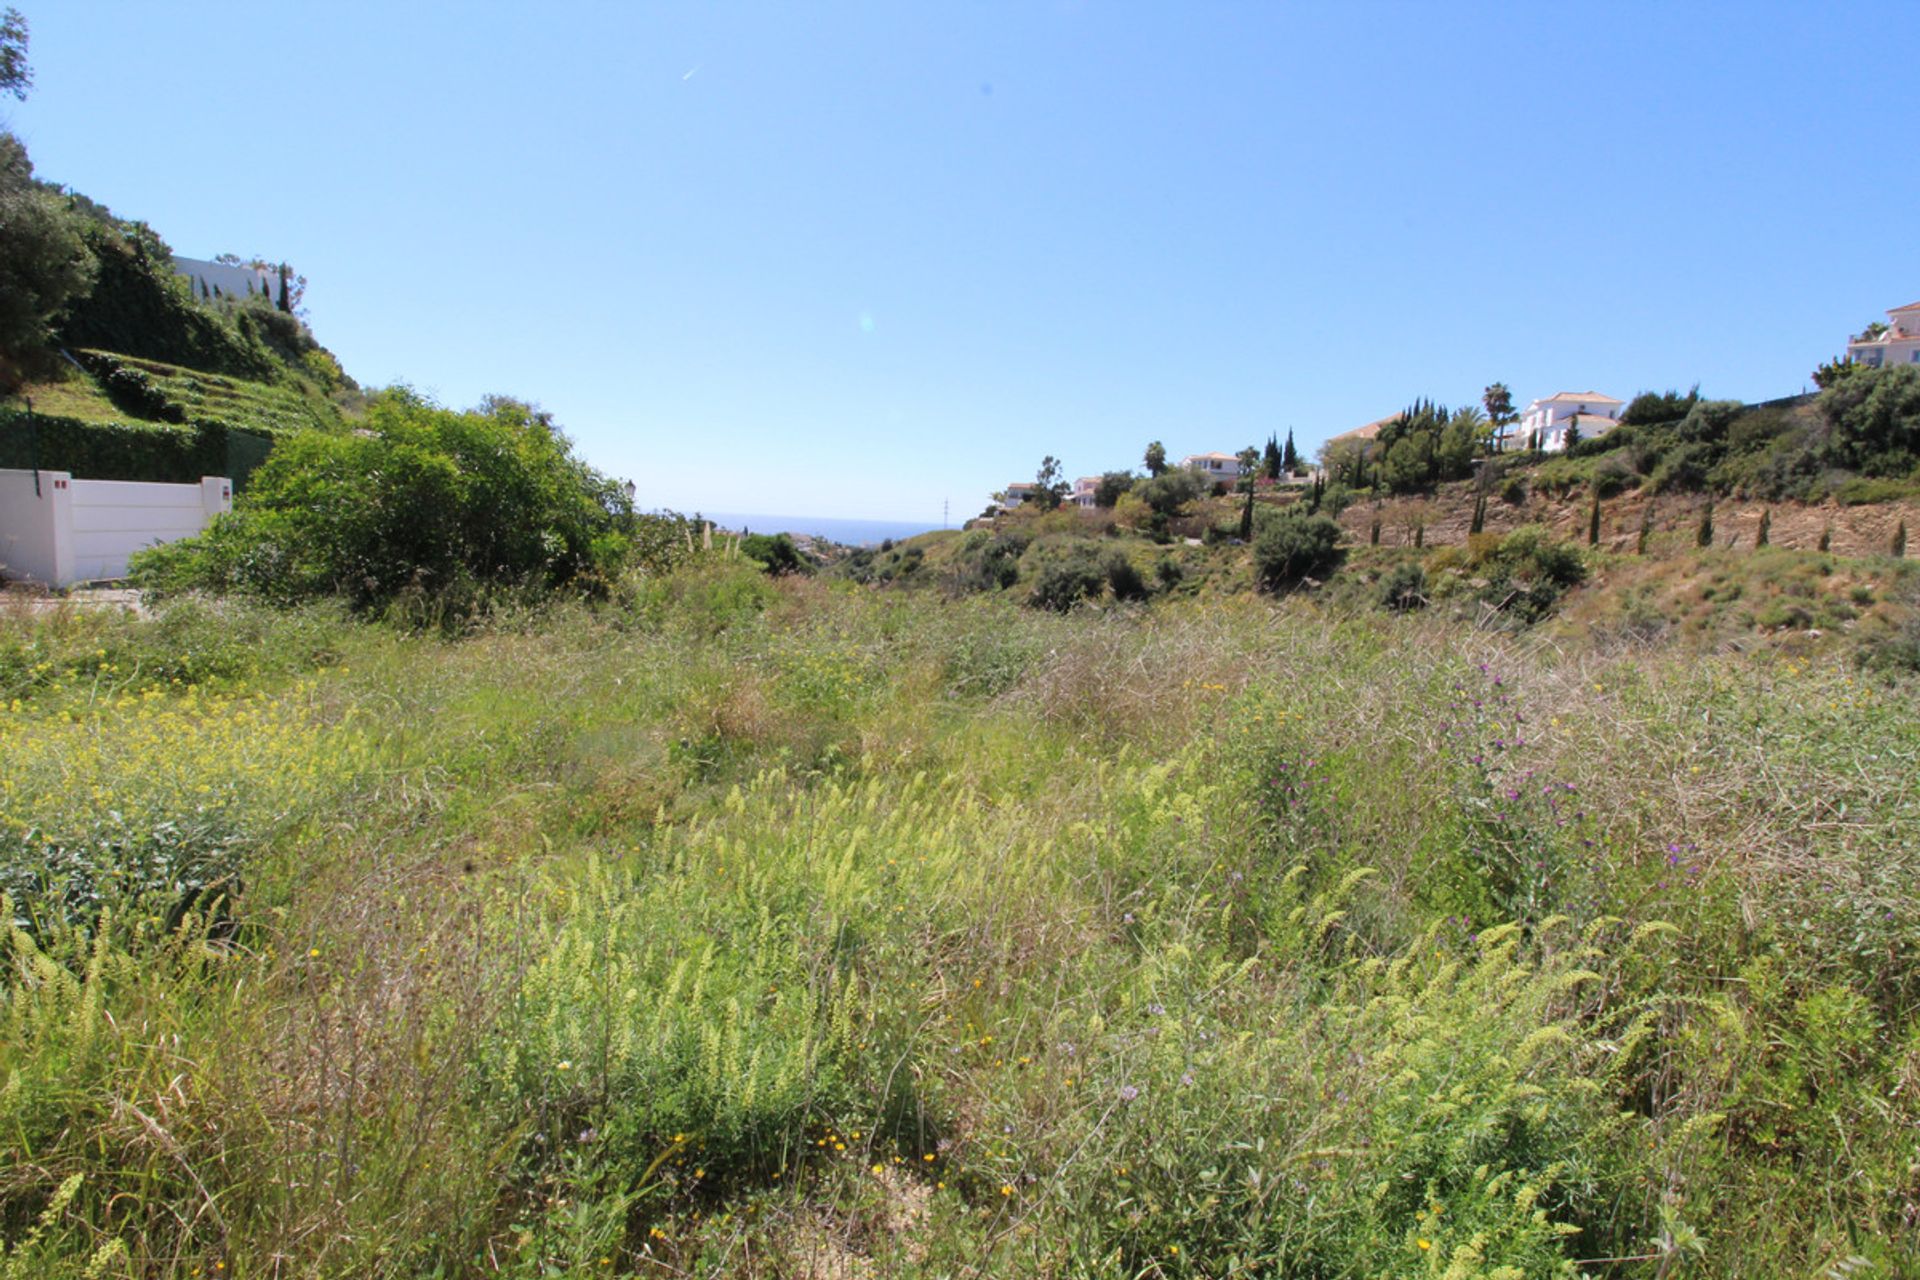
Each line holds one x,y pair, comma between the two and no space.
1156,459
16,77
1112,485
1292,545
45,264
1048,487
1499,404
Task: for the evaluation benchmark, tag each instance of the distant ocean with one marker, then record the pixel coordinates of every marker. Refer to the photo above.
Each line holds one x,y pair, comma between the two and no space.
854,533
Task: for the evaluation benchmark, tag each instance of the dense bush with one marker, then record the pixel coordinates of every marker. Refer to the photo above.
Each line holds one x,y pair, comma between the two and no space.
988,560
1065,578
1291,545
775,553
1875,421
1165,495
1404,588
425,499
1527,571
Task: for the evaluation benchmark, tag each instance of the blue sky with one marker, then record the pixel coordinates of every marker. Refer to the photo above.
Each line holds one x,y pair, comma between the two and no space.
856,260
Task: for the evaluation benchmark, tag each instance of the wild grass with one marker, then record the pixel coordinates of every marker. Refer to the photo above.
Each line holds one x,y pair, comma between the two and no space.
786,929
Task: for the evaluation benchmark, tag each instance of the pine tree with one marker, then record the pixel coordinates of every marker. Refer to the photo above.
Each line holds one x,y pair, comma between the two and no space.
1765,532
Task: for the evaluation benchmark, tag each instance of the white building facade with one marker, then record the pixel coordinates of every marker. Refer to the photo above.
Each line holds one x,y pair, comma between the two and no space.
1897,343
1221,468
1546,422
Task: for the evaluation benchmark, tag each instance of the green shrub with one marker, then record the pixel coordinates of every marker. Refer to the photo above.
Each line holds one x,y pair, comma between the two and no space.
1065,580
1404,588
426,501
1290,545
776,553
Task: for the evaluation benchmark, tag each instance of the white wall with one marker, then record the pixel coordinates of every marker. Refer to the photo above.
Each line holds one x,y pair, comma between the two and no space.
79,530
33,525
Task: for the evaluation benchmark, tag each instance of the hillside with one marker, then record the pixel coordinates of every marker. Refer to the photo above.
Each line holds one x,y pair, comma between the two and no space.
112,367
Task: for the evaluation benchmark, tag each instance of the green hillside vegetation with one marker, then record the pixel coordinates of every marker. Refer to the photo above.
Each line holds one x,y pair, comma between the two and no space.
754,925
97,334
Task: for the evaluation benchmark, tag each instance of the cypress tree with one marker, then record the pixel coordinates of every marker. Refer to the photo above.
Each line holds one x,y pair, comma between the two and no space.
1646,530
1420,534
1765,533
1593,521
1479,522
1373,536
1826,538
1289,456
1270,461
1900,541
1704,537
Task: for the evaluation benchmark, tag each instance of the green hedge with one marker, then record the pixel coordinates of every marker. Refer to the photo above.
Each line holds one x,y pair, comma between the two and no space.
129,451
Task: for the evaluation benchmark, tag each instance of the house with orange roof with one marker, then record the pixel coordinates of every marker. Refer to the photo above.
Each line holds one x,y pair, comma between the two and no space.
1896,342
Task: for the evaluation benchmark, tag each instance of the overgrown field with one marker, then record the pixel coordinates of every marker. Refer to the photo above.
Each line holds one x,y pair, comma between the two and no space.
786,928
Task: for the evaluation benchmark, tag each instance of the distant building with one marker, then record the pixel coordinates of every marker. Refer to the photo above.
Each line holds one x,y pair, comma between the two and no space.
217,278
1545,423
1896,342
1221,468
1083,491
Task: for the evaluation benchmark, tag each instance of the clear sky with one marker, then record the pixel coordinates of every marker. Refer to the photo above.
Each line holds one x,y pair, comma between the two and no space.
857,259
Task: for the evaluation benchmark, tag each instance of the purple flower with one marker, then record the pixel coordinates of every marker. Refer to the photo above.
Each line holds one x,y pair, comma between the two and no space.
1187,1079
1128,1093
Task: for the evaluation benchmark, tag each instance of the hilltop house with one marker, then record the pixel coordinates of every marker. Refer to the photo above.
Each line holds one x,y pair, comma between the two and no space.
1083,491
1896,342
1221,468
1547,421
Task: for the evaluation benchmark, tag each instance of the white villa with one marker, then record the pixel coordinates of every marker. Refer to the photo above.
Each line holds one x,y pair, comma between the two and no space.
1897,342
1083,491
1221,468
1549,419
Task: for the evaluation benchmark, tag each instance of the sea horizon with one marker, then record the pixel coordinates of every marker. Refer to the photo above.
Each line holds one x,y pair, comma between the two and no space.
853,533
